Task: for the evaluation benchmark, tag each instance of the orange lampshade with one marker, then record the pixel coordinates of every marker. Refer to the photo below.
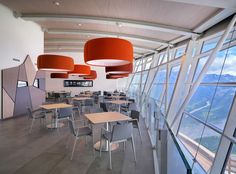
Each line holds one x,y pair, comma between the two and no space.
80,70
55,63
123,69
118,75
108,76
59,75
108,52
91,76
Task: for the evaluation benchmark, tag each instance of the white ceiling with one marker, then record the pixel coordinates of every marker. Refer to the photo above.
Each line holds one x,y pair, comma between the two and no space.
148,24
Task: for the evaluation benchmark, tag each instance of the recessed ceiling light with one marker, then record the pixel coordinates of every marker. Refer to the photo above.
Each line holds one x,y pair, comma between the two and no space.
56,3
88,36
79,24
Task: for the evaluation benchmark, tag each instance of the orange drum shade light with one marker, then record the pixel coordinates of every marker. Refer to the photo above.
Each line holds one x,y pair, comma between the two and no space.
59,75
123,69
108,76
108,52
118,75
55,63
80,70
91,76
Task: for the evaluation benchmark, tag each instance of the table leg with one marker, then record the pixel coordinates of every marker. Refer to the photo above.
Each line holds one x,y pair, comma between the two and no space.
56,124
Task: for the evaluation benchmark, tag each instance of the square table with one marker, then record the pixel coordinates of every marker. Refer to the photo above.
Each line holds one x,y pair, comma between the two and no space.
82,98
55,107
119,102
106,117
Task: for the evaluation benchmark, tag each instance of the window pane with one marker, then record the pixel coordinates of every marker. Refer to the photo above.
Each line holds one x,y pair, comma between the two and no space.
221,106
36,83
174,74
199,104
214,71
209,143
22,84
156,91
229,71
180,52
231,164
201,63
187,136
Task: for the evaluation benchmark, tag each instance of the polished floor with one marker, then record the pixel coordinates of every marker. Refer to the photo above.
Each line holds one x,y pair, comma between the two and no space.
44,151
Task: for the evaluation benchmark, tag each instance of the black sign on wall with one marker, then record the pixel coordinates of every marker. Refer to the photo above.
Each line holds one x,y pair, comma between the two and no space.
78,83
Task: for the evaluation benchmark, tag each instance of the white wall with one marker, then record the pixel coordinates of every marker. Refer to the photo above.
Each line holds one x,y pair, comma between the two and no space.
18,38
101,83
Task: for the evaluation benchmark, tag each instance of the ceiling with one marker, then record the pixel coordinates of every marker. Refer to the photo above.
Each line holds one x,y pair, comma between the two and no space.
149,24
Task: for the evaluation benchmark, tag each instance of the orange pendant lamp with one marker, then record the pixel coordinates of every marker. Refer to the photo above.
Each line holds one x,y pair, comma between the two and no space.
118,75
123,69
108,76
80,70
91,76
55,63
108,52
59,75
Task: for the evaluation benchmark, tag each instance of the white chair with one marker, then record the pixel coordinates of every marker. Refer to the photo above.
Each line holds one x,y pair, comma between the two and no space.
120,134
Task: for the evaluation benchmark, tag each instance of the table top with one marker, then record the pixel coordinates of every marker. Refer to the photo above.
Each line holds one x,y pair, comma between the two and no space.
119,102
82,98
103,117
55,106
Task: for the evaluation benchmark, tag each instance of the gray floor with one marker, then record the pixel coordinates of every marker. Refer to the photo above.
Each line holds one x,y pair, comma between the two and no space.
44,151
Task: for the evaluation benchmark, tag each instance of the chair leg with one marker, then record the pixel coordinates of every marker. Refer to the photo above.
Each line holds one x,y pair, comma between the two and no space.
124,144
109,148
140,133
31,126
133,147
73,150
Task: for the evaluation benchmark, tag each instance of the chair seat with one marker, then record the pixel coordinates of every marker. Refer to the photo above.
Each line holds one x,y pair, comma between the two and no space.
84,131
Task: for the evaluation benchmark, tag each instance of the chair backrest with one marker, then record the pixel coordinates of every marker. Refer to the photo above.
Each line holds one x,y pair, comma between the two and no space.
132,100
134,114
65,112
29,111
122,132
88,102
104,107
72,127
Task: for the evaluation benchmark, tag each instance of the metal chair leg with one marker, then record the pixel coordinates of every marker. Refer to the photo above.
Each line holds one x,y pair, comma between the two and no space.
109,149
73,150
140,133
124,144
133,147
31,126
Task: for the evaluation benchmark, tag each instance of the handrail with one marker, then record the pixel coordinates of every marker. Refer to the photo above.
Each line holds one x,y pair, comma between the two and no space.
185,161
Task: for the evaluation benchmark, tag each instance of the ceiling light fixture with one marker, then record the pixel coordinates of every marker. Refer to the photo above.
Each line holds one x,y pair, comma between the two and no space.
108,52
80,70
59,75
92,75
55,63
123,69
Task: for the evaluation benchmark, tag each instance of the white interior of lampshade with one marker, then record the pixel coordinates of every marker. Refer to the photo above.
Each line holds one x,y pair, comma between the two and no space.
107,62
118,72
